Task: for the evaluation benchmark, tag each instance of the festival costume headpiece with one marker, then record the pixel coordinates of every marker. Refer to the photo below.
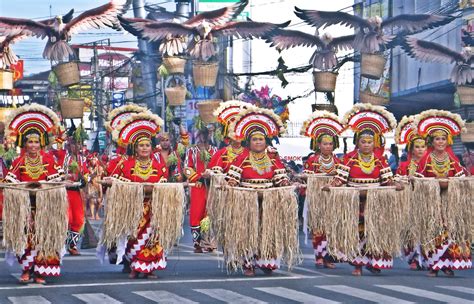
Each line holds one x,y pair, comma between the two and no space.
32,120
121,113
228,110
138,127
366,117
407,132
321,124
434,122
256,121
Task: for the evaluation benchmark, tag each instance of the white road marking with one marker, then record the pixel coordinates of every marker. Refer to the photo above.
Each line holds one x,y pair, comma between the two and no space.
229,296
316,272
426,294
158,282
92,298
458,288
295,295
363,294
29,300
162,296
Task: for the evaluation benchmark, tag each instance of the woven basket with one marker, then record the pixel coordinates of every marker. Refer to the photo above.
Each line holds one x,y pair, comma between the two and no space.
366,97
324,81
205,74
468,136
325,107
6,80
372,65
72,107
206,110
466,94
174,65
67,73
176,95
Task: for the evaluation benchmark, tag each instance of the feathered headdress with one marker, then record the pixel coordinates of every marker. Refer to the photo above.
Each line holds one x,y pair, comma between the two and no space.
407,132
256,120
322,123
228,110
121,113
136,127
431,122
363,117
31,119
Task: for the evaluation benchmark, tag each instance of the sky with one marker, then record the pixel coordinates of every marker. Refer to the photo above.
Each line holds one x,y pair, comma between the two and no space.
31,49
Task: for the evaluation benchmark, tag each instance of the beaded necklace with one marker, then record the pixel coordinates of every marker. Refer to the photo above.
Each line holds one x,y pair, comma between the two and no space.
440,165
326,164
260,162
232,153
366,163
34,166
143,169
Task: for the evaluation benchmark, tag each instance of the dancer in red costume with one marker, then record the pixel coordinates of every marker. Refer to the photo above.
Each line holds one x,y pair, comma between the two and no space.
169,155
255,167
196,162
439,127
225,114
324,129
31,126
366,166
137,133
406,134
75,169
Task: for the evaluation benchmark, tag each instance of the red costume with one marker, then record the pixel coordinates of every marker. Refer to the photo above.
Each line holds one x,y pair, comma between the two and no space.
76,204
35,122
322,126
257,170
447,255
143,254
359,170
194,165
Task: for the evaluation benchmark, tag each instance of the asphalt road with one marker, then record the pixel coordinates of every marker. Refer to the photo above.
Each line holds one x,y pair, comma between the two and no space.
198,278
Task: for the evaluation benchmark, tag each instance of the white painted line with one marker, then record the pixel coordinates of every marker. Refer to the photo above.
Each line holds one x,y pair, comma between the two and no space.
92,298
317,272
426,294
363,294
29,300
162,296
228,296
294,295
458,288
158,282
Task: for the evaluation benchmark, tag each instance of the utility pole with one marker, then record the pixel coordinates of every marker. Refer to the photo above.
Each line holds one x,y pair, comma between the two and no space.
148,68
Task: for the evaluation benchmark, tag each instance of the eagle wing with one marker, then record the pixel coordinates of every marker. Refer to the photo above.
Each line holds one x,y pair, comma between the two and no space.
247,29
324,19
154,30
416,22
430,51
18,26
285,39
218,16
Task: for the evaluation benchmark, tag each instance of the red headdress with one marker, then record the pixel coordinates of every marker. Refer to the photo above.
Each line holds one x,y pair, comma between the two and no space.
431,122
256,121
228,110
138,126
31,120
121,113
406,132
322,123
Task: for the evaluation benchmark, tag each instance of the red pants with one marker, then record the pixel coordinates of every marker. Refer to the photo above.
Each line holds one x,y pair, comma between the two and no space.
198,205
75,210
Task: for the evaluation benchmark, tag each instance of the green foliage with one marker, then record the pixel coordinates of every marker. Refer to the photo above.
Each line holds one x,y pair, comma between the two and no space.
169,114
181,149
198,123
7,155
205,156
80,134
163,71
219,135
73,167
172,160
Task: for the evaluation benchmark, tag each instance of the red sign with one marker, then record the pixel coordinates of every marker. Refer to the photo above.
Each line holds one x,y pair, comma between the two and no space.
17,70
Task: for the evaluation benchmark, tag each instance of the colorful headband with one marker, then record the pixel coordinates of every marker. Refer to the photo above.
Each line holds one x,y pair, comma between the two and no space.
121,113
256,120
230,109
135,127
406,131
322,123
430,121
365,116
31,117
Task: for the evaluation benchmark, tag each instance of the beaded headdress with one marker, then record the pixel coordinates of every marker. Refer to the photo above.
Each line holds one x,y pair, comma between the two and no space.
433,122
253,121
137,127
121,113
